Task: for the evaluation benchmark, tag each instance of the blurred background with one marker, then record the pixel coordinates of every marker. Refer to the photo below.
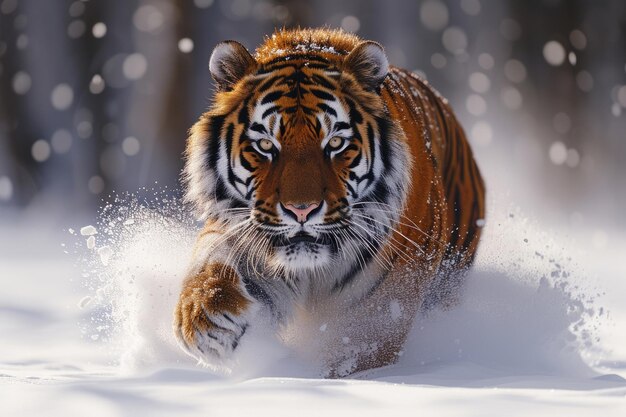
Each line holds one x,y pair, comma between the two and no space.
96,96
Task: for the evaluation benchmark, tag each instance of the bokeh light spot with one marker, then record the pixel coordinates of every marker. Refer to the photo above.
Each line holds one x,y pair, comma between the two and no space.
62,97
22,41
76,9
476,105
131,146
40,150
486,61
438,60
203,4
99,30
350,24
511,97
434,14
578,39
515,71
573,158
148,18
76,29
185,45
134,66
554,53
21,82
454,40
6,188
558,153
96,86
95,184
471,7
61,141
479,82
584,81
482,133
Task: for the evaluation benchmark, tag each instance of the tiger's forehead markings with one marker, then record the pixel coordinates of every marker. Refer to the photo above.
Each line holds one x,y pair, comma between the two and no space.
300,91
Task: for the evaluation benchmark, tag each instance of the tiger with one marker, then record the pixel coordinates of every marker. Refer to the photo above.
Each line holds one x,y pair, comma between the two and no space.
339,197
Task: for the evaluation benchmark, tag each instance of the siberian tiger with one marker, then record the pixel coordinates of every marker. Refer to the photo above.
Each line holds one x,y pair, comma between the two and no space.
340,195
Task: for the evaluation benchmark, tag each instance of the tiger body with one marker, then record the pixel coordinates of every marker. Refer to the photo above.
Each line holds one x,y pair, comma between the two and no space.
339,193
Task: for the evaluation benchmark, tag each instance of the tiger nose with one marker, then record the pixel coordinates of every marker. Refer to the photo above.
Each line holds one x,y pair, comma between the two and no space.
301,211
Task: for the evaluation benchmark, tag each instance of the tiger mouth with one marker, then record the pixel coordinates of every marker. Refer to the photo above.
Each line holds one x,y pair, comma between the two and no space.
302,237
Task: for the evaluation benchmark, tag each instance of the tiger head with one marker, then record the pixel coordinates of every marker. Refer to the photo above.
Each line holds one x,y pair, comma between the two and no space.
298,154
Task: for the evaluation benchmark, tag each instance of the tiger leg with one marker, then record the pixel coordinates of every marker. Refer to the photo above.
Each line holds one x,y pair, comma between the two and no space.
213,313
375,329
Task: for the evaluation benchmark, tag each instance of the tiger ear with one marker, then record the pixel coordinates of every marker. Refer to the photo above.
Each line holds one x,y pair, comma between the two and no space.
229,62
368,63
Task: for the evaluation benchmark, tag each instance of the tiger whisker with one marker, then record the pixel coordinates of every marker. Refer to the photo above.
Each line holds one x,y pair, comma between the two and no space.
398,213
395,231
371,249
386,239
397,246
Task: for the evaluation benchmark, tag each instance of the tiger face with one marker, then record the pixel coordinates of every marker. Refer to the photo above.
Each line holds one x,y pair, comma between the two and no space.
300,150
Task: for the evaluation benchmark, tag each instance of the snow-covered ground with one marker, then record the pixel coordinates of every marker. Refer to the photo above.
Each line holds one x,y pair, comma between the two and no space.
540,330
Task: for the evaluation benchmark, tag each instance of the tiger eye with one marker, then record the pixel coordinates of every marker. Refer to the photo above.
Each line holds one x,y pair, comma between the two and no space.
335,142
266,144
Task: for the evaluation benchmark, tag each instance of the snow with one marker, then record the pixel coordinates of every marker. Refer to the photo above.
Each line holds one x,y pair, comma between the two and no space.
538,330
88,230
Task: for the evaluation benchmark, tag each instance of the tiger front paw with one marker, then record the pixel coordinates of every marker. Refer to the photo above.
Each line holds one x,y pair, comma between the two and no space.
213,314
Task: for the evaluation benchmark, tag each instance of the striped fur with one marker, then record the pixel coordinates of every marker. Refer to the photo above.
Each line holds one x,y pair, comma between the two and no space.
318,118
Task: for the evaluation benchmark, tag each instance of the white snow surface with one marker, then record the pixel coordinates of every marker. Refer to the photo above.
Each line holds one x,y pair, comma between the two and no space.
540,329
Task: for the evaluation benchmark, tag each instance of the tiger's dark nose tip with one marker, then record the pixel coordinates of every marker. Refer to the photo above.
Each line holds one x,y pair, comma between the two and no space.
300,211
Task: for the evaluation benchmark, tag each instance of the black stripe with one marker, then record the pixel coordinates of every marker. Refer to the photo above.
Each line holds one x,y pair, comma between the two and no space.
220,190
351,190
370,139
290,60
245,164
257,127
385,147
242,117
269,111
365,257
322,81
273,96
268,83
322,94
318,126
341,126
356,161
380,193
257,292
216,123
355,115
327,109
229,140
